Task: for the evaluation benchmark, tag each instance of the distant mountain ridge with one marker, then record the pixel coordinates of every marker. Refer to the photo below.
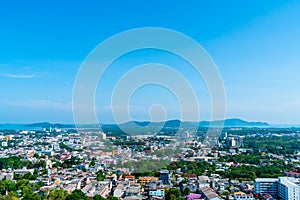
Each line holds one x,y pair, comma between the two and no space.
170,124
48,125
136,127
227,122
234,122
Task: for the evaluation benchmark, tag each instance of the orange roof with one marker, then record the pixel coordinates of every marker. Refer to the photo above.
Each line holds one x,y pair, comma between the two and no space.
148,178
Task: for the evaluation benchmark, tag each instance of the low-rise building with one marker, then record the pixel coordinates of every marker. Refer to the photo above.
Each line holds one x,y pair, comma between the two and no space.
209,194
242,195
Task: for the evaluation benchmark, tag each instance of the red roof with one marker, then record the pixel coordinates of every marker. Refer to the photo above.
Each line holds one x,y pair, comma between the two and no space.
292,173
190,175
266,196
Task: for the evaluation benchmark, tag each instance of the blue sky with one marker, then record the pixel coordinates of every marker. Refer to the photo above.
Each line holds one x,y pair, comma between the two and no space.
255,44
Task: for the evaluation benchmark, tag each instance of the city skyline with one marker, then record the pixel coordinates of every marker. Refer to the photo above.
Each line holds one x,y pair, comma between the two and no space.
255,46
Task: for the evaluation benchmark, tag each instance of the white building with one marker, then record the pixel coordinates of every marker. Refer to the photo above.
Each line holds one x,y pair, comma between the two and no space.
157,193
102,136
23,171
286,188
6,176
4,144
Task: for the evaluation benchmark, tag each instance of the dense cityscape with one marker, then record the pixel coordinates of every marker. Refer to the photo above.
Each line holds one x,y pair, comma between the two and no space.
150,100
244,163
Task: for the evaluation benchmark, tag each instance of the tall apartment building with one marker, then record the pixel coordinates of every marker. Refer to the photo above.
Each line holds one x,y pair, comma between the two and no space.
164,176
286,188
234,141
265,186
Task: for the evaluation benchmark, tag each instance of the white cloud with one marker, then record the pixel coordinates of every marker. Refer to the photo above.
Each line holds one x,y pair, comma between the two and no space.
20,76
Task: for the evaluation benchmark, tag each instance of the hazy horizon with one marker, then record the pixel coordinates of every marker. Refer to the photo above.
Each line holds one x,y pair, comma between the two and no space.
173,119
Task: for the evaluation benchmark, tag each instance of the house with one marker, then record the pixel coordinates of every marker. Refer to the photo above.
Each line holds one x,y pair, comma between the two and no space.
242,195
157,193
209,194
203,181
193,196
292,174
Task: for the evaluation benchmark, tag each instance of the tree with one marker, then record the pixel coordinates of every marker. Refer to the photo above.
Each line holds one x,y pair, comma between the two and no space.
36,155
11,187
27,175
172,193
172,197
57,194
77,195
98,197
186,191
33,177
112,198
3,186
10,196
29,195
100,176
38,185
92,163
